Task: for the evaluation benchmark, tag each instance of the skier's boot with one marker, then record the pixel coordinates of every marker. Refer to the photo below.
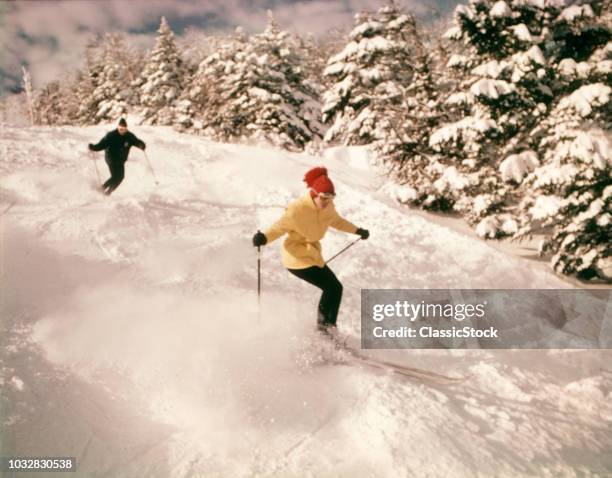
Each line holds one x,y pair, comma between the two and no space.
330,332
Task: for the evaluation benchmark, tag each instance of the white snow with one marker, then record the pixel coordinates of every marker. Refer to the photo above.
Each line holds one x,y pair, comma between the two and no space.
490,226
401,193
133,325
584,98
456,60
545,206
522,32
491,69
593,146
516,166
460,98
576,11
451,179
463,10
17,383
371,27
453,33
500,9
569,68
481,203
492,88
363,47
487,227
536,55
469,127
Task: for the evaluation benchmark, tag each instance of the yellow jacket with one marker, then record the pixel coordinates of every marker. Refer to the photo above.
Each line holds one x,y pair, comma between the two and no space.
306,225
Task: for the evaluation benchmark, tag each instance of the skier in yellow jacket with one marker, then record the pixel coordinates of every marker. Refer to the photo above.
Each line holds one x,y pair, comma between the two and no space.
305,222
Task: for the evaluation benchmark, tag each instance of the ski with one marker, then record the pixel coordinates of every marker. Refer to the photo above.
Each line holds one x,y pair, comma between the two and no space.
356,356
407,371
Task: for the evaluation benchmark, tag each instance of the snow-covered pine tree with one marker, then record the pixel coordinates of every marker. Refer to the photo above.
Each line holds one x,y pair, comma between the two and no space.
48,105
108,78
255,88
505,90
314,53
134,60
162,79
403,143
56,103
283,101
70,101
368,76
112,93
201,108
568,196
86,81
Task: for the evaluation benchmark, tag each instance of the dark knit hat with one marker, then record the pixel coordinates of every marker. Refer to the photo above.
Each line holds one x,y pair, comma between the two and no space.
122,122
318,181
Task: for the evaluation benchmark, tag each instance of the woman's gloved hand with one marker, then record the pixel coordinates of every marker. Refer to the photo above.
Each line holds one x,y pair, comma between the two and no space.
364,233
259,239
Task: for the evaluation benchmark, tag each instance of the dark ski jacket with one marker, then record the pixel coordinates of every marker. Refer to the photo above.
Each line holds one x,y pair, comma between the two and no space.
116,147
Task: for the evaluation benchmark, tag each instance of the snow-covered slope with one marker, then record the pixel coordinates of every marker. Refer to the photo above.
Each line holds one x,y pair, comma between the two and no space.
132,337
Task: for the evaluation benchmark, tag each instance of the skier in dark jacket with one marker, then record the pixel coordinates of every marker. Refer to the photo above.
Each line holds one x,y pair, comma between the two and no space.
116,145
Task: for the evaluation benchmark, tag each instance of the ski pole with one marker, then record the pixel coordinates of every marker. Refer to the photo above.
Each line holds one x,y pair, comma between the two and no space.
150,167
258,283
258,273
338,253
93,158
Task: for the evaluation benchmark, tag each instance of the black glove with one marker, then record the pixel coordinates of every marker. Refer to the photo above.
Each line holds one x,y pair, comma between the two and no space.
143,147
259,239
91,147
364,233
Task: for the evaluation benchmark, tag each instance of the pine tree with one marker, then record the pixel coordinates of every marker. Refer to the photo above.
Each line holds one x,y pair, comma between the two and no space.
504,90
282,100
204,105
85,84
56,103
405,129
568,196
162,79
48,105
254,88
111,95
314,53
368,76
71,102
105,86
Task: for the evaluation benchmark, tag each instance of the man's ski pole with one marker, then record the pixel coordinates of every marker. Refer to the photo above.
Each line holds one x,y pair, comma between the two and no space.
258,274
150,167
338,253
93,158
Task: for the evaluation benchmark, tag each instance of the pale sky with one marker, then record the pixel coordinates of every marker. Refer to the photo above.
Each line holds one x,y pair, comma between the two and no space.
49,36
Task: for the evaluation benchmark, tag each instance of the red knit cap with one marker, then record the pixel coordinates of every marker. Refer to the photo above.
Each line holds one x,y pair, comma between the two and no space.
317,180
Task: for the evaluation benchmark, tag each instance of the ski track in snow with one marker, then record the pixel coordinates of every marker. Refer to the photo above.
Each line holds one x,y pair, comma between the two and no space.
133,341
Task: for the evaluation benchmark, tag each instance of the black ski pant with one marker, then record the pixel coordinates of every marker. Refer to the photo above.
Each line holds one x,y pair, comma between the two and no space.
326,280
117,171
